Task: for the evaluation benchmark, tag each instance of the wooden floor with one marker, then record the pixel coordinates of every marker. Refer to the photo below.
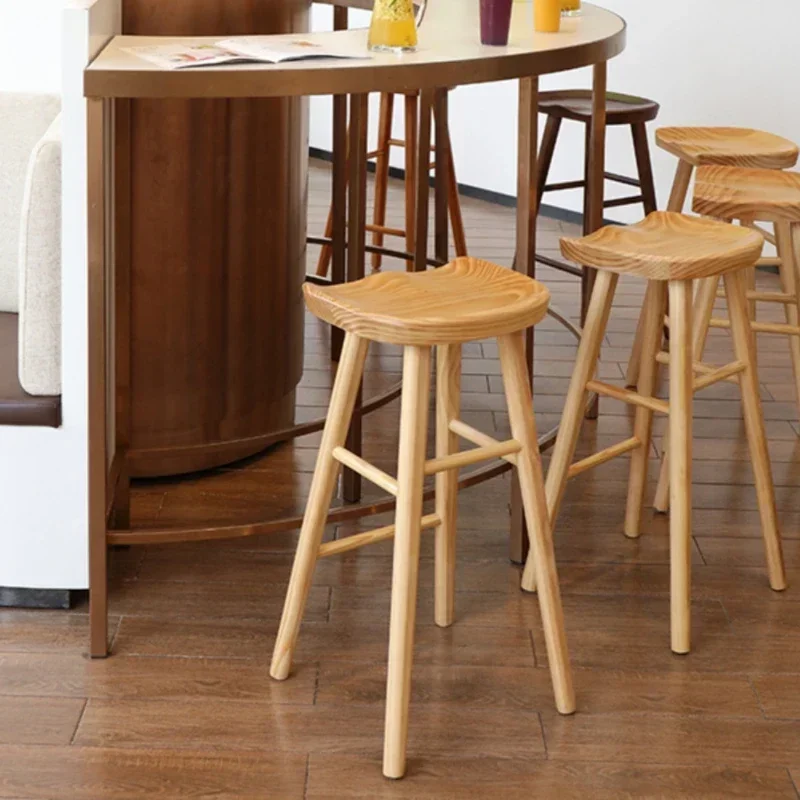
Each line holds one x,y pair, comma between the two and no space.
185,707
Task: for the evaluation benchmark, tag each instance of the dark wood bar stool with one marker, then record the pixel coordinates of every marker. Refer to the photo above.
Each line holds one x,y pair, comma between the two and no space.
716,146
382,157
464,301
621,109
671,251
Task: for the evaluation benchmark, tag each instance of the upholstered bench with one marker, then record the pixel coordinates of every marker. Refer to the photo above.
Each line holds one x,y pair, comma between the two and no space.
30,260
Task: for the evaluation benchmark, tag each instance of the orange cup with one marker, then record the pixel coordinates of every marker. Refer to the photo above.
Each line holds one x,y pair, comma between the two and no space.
547,16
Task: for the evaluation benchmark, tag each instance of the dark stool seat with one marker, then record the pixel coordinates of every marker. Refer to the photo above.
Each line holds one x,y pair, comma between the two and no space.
576,104
621,109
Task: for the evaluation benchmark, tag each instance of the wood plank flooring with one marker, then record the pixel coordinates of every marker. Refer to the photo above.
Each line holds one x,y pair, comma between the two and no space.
185,707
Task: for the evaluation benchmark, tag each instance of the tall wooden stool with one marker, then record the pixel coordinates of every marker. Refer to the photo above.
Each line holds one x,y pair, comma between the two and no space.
749,195
621,109
670,251
382,154
461,302
731,147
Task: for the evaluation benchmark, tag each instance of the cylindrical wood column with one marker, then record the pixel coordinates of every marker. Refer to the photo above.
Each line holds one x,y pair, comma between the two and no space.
215,250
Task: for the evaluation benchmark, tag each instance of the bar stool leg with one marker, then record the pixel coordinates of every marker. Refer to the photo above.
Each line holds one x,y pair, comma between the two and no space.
546,151
789,253
754,425
410,477
448,397
677,200
529,467
454,205
681,391
653,316
572,416
343,397
703,309
326,253
382,174
411,134
644,167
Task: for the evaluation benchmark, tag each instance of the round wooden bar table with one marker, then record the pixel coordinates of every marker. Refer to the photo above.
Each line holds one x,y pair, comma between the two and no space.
449,55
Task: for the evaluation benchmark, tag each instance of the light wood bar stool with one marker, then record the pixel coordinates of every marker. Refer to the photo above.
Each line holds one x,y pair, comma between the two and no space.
670,251
750,195
463,301
382,155
731,147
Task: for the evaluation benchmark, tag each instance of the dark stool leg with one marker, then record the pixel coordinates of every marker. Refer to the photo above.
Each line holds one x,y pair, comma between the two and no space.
644,167
546,150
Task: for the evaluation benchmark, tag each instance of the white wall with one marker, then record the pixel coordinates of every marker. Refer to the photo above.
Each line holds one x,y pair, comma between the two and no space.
708,62
30,55
43,522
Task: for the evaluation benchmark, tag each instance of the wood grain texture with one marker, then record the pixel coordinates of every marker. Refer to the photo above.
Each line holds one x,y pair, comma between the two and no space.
210,301
467,300
39,720
256,726
735,147
41,773
330,778
760,195
667,246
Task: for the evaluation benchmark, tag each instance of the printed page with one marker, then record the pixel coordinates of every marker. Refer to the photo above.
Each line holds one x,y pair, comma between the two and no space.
277,49
183,56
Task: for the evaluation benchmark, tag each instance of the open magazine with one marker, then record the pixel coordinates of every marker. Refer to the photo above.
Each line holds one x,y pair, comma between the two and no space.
236,50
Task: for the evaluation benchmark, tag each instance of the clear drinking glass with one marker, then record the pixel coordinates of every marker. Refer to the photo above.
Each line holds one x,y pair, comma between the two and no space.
394,25
571,8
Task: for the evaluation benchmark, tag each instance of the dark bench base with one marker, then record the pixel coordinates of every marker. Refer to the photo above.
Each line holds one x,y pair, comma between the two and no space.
17,407
35,598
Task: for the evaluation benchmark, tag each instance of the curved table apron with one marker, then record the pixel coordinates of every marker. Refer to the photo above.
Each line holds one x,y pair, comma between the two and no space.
449,55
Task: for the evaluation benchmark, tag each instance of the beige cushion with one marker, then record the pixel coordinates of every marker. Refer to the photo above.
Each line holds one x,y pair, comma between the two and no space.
24,118
40,268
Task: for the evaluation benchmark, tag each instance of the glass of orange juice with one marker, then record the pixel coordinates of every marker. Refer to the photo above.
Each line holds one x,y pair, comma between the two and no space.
570,8
547,16
394,26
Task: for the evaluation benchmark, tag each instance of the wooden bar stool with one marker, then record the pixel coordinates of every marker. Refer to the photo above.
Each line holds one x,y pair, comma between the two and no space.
670,251
621,109
731,147
382,154
749,195
463,301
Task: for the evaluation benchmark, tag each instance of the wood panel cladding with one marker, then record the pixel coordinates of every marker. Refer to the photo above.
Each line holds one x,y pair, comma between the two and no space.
216,247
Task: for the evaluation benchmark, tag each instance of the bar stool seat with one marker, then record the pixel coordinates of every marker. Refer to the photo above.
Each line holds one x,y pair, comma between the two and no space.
666,247
741,147
466,300
733,147
576,104
460,302
671,252
763,195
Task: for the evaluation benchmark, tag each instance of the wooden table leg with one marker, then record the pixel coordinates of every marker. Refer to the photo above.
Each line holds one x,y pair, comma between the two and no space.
98,112
525,262
595,183
356,242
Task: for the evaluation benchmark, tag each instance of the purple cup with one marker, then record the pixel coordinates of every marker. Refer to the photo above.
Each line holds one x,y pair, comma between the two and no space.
495,21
